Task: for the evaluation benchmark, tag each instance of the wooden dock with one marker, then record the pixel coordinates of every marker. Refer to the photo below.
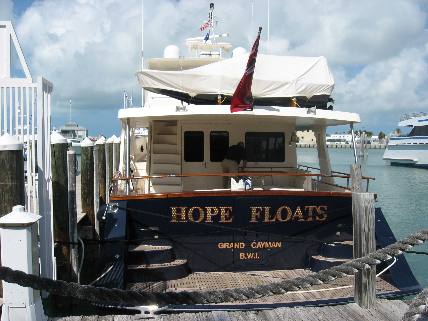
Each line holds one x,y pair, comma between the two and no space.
383,310
299,305
339,290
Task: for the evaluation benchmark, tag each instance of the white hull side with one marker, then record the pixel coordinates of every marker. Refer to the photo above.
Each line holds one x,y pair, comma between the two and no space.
409,155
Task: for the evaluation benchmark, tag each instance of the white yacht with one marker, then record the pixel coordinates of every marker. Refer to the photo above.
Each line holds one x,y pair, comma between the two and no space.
410,149
178,211
74,135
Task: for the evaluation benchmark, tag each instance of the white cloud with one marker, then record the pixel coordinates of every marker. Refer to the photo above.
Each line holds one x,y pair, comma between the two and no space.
395,84
6,9
90,49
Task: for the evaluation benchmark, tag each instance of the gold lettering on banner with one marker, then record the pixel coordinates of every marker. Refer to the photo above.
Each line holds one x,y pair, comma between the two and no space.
321,213
211,211
255,213
249,256
175,214
266,245
298,215
225,214
279,212
267,215
201,214
258,214
231,245
310,211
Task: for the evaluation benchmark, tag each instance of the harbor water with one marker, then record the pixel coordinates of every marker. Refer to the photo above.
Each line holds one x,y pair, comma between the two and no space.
402,195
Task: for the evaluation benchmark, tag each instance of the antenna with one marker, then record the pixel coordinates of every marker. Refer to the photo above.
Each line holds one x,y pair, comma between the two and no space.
69,111
142,48
252,18
268,26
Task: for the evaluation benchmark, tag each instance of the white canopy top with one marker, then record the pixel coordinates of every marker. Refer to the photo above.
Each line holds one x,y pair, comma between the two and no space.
274,77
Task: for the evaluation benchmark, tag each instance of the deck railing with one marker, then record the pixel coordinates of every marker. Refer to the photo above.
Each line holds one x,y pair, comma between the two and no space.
313,181
346,175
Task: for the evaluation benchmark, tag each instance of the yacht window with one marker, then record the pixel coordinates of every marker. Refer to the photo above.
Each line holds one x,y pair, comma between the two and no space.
419,131
219,144
265,147
194,146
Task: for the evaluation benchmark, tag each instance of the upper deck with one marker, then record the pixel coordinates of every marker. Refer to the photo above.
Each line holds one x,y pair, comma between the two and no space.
171,109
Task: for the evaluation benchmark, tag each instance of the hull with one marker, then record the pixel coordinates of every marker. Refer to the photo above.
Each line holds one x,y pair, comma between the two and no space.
253,232
234,232
407,151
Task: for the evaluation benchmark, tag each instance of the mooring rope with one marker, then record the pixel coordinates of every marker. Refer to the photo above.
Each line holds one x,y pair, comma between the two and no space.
118,297
418,308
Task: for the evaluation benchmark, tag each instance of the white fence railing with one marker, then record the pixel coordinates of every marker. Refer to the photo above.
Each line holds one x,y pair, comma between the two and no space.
18,117
25,111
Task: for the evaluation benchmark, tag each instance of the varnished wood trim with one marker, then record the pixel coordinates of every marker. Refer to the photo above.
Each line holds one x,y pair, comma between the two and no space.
229,193
255,174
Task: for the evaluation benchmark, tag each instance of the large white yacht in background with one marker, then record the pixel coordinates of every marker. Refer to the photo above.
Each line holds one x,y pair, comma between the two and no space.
410,149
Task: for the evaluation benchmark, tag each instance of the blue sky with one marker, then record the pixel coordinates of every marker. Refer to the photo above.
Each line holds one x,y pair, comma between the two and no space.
90,49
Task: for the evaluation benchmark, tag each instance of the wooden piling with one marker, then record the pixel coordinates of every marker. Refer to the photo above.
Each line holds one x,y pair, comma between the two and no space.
87,179
109,165
116,155
356,178
96,189
101,163
59,147
363,213
12,187
72,212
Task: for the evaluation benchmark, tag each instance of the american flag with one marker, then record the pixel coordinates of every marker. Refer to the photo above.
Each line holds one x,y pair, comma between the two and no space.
205,25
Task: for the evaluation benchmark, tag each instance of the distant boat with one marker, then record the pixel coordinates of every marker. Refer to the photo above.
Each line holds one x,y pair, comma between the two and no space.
74,135
410,149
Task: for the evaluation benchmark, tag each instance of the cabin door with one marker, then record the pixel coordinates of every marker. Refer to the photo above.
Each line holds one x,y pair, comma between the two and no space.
203,149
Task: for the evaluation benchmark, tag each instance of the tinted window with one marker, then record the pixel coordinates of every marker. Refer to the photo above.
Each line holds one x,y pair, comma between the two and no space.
264,147
193,146
219,144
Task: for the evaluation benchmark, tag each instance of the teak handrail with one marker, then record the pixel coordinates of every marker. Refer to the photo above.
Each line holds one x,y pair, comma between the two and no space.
260,174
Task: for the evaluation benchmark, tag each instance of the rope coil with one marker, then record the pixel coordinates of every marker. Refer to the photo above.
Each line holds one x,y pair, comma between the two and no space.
418,307
124,298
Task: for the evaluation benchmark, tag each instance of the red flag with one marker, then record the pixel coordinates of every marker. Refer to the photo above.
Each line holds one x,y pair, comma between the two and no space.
242,98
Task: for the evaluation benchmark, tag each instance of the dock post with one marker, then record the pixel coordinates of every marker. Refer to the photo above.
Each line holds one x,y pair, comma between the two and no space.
12,187
116,155
356,178
19,232
109,165
87,179
59,147
96,189
363,212
72,212
100,147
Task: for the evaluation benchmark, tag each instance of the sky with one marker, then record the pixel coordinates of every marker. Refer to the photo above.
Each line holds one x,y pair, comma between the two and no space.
91,49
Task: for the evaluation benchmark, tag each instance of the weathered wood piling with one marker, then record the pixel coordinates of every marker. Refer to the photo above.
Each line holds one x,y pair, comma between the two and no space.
59,147
101,168
363,213
109,164
116,154
72,211
12,182
12,187
87,179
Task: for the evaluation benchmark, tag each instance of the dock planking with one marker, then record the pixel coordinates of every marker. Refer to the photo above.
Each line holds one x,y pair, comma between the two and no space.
381,311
